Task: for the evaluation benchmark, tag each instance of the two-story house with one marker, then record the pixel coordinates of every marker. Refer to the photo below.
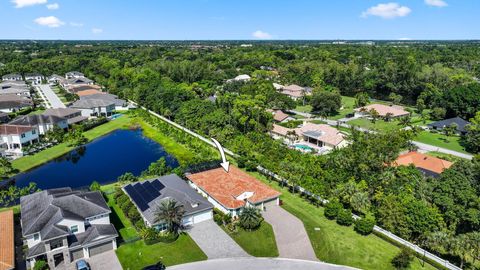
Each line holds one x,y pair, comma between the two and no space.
61,225
34,78
14,138
43,122
12,77
94,107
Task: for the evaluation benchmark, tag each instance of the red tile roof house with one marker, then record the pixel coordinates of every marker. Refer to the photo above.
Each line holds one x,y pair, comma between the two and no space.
430,166
231,191
382,110
295,92
280,116
7,243
14,137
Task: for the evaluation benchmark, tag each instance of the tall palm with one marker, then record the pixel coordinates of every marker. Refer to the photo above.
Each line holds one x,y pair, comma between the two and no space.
171,213
250,218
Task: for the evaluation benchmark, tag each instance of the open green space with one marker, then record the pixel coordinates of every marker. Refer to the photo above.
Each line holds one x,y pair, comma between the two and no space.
338,244
136,255
379,125
258,243
440,140
348,104
119,220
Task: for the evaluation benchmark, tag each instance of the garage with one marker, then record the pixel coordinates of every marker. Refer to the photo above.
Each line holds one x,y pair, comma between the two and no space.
207,215
98,249
76,254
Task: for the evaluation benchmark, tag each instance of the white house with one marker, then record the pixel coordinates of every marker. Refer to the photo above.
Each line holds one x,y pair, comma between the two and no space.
15,137
12,77
55,79
74,75
13,103
34,78
240,78
62,225
43,123
94,107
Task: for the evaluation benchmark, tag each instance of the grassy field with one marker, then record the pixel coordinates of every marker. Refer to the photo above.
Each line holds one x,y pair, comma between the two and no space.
348,104
120,221
136,255
304,108
379,125
337,244
440,140
258,243
29,162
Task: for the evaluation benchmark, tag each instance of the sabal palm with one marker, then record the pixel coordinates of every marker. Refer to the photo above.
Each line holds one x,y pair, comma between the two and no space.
171,213
250,218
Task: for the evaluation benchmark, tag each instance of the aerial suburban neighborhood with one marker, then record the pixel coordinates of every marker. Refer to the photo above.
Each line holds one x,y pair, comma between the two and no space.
161,135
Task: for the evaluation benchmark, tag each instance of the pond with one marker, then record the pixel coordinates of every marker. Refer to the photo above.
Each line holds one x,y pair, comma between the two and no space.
103,160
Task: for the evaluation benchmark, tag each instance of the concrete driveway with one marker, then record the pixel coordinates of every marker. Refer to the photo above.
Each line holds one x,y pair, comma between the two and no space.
214,242
107,260
53,99
290,234
258,264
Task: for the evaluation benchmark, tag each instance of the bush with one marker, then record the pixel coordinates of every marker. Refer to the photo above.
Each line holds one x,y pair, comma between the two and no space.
139,224
127,177
133,213
344,217
95,186
331,209
250,218
365,225
40,265
403,259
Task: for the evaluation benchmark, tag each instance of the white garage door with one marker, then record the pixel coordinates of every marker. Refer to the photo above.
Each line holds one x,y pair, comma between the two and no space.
187,220
202,216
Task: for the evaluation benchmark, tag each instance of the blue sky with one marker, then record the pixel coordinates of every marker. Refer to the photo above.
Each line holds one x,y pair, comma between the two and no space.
239,19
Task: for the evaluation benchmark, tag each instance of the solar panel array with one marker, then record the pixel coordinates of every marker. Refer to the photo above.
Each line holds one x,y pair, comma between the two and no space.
143,193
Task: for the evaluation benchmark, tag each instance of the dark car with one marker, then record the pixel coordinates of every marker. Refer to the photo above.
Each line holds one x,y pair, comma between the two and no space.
158,266
83,265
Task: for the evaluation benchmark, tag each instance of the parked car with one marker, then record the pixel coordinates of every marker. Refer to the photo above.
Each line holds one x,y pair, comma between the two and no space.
83,265
157,266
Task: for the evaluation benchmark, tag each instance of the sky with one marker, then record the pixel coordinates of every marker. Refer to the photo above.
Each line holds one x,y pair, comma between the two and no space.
239,19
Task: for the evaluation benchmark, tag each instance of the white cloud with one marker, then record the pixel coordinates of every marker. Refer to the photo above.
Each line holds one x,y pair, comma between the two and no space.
97,31
261,35
436,3
50,21
53,6
27,3
405,38
387,11
75,24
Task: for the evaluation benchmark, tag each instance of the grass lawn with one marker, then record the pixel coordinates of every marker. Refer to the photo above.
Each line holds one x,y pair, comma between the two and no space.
439,140
348,104
258,243
380,125
134,256
304,108
29,162
338,244
119,220
448,157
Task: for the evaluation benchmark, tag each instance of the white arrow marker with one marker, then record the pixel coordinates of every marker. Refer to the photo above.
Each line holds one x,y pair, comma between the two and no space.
225,164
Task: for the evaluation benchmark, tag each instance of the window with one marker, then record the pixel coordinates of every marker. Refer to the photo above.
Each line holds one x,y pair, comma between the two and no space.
36,237
23,135
34,131
74,228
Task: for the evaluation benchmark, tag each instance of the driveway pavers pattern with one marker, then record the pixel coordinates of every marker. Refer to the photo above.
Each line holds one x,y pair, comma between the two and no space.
290,234
214,242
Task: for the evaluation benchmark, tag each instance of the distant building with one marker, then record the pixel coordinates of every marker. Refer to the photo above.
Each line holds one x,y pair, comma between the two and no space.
42,123
393,111
74,75
34,78
240,78
12,77
430,166
13,103
94,107
296,92
55,79
457,121
120,104
280,116
72,116
62,225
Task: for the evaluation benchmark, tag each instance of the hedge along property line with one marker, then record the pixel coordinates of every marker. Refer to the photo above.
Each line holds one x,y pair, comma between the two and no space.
419,251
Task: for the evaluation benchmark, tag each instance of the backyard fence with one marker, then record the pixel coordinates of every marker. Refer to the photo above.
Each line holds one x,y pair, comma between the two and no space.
377,229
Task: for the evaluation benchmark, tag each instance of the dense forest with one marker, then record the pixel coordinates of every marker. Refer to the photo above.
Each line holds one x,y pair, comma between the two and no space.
177,79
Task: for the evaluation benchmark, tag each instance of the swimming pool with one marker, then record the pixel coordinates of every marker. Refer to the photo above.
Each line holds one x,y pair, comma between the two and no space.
303,147
115,116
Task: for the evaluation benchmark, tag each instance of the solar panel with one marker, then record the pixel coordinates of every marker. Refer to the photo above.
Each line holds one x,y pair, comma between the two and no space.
157,185
151,190
136,197
146,195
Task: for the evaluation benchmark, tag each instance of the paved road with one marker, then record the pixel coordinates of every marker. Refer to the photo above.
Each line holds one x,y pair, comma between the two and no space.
214,242
290,234
55,102
258,264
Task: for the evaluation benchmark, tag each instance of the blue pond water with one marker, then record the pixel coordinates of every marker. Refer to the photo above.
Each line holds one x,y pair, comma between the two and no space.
102,160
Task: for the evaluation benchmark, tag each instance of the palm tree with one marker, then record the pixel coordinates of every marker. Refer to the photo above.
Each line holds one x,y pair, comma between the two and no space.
250,218
405,121
171,213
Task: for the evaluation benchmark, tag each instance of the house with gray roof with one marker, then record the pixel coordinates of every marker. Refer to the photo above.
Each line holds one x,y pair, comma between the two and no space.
34,78
148,195
74,74
458,122
55,79
42,122
120,104
73,116
12,103
12,77
94,107
62,225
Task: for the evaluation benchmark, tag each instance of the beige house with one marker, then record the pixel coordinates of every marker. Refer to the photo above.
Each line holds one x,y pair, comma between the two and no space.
393,111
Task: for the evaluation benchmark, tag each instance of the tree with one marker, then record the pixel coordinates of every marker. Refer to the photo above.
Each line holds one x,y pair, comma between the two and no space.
472,137
6,168
56,134
171,213
332,208
365,225
95,186
127,177
40,265
395,98
374,115
344,217
157,168
75,137
250,218
361,99
450,130
438,113
326,103
403,259
405,121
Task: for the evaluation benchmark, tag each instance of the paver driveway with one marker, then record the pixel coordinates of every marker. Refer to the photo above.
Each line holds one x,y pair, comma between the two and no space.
54,100
290,234
214,242
107,260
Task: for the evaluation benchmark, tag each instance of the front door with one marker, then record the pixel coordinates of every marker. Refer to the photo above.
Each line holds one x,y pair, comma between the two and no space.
58,259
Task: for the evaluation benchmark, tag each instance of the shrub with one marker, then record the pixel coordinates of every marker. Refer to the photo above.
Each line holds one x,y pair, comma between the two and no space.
133,213
365,225
40,265
344,217
139,224
127,177
250,218
403,259
95,186
331,209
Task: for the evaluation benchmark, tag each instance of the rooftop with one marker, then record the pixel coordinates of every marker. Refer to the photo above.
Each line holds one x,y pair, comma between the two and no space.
88,92
148,195
461,124
92,103
383,110
225,187
7,129
422,161
7,243
60,112
279,115
36,119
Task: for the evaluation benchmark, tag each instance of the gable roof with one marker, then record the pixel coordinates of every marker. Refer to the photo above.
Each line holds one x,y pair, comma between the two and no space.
461,124
225,187
91,103
36,119
7,129
422,161
106,97
88,92
61,112
7,243
149,194
383,110
279,115
41,211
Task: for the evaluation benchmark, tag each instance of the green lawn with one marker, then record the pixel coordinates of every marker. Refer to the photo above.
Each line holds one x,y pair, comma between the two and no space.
348,104
304,108
134,256
29,162
448,157
379,125
258,243
440,140
119,220
337,244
